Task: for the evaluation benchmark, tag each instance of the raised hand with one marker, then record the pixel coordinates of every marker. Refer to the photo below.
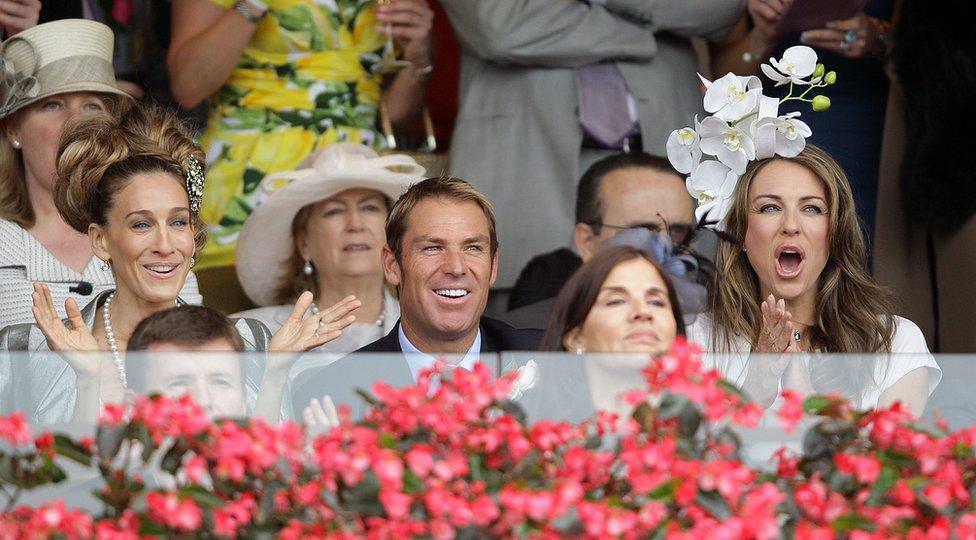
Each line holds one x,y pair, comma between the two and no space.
320,416
298,335
78,338
410,23
776,334
765,15
854,38
59,337
18,15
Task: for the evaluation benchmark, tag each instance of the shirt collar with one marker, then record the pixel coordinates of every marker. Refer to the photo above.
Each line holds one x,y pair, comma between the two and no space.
418,360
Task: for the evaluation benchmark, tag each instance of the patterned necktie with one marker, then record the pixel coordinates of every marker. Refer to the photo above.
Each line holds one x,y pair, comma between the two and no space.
603,108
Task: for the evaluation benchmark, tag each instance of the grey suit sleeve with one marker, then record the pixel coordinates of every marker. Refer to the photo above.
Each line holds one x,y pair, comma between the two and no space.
546,33
709,19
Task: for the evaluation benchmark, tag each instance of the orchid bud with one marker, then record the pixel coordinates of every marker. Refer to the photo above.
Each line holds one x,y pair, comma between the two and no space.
819,71
821,103
830,77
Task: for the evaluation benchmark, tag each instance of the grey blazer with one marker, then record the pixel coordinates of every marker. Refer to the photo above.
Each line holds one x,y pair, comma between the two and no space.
517,135
42,385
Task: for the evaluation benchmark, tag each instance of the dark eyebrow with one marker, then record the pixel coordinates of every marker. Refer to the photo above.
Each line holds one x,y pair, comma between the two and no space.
613,288
778,198
147,213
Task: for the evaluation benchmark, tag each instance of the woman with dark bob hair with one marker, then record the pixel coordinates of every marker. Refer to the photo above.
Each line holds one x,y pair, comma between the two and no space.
619,301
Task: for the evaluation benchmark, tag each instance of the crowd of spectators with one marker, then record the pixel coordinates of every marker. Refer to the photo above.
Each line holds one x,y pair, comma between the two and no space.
561,226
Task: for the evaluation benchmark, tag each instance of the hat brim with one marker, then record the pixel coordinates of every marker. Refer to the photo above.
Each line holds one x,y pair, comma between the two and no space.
265,243
94,87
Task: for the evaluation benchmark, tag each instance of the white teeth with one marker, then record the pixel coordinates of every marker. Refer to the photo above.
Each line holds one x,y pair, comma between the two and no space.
161,269
451,293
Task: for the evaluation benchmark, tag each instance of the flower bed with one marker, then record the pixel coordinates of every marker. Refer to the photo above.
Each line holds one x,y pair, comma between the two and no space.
458,459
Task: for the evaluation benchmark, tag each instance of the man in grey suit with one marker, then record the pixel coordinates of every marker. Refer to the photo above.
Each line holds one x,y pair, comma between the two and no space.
538,79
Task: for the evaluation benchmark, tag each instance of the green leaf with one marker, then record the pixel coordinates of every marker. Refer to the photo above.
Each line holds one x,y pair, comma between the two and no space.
816,404
66,447
367,396
850,523
202,496
108,440
885,481
412,484
714,504
514,410
173,457
474,464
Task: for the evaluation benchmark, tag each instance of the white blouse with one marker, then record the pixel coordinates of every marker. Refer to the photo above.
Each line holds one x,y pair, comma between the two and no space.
24,261
908,352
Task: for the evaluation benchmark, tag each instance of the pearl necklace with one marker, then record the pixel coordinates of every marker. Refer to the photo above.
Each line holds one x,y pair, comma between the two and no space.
379,321
112,344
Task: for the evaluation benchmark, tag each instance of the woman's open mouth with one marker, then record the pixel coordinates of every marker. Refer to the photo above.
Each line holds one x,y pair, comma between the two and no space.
789,261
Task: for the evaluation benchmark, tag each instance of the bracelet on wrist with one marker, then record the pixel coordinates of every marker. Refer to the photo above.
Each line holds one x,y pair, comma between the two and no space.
245,8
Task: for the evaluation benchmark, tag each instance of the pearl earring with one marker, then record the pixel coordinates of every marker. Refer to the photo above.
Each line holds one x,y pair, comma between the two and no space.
16,144
579,350
307,269
105,266
193,261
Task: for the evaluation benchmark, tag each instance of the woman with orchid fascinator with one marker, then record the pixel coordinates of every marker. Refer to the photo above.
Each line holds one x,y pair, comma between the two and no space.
134,184
794,279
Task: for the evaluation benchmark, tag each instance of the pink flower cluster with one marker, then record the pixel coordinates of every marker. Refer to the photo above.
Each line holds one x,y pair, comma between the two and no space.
453,457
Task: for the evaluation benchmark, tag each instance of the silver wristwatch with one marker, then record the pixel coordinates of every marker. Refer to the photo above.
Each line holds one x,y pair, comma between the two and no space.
241,7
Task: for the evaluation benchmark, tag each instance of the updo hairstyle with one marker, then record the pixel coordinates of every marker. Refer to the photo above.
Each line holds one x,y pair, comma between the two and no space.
98,155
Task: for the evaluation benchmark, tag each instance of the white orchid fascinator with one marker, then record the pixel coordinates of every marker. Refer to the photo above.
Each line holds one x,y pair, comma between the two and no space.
745,125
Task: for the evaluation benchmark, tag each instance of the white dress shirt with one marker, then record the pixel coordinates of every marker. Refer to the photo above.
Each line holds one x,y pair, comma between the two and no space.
418,361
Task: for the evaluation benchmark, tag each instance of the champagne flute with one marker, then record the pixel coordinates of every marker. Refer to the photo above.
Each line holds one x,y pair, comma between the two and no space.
389,63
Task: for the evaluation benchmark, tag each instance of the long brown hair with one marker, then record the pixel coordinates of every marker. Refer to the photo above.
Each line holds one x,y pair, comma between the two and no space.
577,297
854,314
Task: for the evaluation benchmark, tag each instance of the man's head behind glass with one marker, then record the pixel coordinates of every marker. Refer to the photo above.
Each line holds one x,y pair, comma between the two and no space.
189,350
624,191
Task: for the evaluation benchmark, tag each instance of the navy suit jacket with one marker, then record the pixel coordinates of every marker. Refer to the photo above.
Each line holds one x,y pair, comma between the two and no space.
340,379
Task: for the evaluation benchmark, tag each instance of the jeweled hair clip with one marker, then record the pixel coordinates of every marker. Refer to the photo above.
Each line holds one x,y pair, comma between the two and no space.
194,183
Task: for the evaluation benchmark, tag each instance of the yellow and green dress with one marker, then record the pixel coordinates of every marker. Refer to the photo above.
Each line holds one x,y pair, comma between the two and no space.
304,81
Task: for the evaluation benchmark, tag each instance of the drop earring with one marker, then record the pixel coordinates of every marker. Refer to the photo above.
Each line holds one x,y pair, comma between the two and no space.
105,267
193,261
307,269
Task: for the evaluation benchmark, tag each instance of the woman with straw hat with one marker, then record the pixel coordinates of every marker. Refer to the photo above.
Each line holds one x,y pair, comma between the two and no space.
322,229
51,73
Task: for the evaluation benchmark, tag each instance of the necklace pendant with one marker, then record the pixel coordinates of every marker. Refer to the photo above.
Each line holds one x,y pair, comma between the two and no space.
796,335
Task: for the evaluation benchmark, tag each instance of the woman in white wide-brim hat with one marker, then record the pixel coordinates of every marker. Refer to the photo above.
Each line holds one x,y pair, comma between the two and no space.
322,228
49,74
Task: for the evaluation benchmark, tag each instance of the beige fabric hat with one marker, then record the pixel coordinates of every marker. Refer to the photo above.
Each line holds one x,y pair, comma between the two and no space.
265,243
70,55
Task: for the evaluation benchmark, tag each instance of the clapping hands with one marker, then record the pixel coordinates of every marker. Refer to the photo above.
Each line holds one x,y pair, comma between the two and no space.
298,335
776,334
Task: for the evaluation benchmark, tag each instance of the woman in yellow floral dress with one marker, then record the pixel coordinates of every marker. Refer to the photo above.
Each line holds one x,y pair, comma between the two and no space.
285,78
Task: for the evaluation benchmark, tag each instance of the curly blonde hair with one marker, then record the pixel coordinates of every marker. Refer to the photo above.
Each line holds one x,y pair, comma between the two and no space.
98,156
854,314
15,204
